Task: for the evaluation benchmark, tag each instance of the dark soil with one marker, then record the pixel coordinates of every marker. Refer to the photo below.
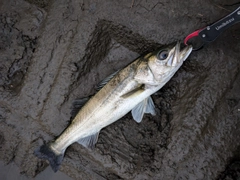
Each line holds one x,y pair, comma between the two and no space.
53,52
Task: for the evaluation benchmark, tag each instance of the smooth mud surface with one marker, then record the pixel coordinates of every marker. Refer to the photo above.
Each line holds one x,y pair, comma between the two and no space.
53,52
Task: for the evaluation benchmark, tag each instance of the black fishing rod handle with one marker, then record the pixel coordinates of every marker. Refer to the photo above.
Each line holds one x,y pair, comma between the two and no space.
210,33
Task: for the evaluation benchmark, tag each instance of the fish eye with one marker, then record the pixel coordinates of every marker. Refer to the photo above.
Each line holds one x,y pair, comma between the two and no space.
162,55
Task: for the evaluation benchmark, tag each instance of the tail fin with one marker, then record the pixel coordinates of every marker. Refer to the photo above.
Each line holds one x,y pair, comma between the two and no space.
45,152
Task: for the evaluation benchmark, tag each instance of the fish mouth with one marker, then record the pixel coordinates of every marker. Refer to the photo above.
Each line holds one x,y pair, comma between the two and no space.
178,55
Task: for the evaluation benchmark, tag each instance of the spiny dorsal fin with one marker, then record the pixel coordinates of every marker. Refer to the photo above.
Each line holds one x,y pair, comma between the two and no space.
79,103
146,106
105,81
89,141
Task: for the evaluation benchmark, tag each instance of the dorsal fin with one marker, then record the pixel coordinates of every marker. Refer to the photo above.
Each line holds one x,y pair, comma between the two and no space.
78,104
105,81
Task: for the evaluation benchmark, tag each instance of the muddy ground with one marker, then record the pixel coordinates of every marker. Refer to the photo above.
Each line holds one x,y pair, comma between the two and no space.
53,52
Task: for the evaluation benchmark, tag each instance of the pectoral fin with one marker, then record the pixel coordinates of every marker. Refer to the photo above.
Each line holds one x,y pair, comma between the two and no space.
146,106
89,141
134,92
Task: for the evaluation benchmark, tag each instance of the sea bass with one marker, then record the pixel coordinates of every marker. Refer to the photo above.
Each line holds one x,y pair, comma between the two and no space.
129,89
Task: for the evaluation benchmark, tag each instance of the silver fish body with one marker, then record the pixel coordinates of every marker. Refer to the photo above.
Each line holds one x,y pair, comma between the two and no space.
128,90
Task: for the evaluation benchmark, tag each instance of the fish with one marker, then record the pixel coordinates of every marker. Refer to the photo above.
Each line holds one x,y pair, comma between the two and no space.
126,90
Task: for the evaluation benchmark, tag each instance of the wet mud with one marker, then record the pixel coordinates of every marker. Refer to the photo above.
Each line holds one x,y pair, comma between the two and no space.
53,52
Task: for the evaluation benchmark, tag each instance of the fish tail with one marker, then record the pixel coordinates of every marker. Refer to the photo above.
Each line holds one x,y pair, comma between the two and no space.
45,152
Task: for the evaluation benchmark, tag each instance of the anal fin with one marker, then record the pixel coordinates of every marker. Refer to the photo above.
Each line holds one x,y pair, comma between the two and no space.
89,141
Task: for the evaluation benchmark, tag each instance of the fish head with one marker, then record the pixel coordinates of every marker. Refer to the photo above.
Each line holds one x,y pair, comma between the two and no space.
161,64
